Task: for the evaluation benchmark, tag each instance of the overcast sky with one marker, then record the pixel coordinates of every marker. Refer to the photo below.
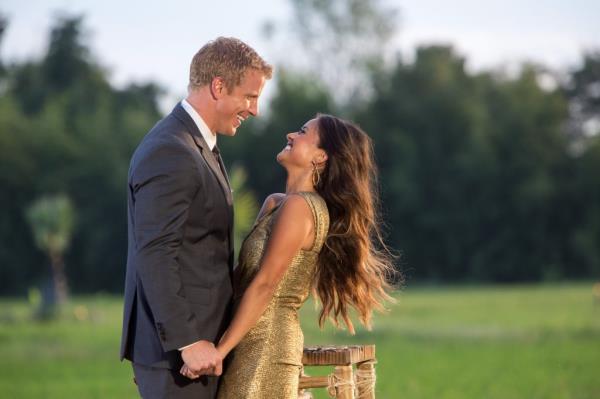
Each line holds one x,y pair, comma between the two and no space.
155,40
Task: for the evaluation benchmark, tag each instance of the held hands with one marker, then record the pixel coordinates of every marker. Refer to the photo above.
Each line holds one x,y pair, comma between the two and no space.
201,358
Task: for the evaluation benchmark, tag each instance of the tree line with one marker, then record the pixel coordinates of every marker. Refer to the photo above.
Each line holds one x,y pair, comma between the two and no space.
485,176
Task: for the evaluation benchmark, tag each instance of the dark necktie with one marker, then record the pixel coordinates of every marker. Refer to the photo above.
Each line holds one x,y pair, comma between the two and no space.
217,155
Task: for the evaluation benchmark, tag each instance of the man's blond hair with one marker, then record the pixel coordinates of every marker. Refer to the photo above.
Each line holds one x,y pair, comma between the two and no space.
228,58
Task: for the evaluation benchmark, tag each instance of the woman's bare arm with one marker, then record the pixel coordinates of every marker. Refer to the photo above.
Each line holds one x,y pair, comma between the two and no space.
292,231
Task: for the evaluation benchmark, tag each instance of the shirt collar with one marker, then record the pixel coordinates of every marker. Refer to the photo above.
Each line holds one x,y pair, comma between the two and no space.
207,134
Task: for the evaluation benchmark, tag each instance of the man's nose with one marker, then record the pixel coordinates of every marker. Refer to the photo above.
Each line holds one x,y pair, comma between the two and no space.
253,108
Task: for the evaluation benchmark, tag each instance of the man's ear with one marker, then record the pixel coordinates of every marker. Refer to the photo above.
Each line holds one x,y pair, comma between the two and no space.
217,87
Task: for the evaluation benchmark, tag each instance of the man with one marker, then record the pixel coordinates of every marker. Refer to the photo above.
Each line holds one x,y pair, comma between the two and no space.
180,255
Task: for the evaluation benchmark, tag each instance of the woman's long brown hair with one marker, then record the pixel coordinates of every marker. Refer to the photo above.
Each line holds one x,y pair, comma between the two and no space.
354,267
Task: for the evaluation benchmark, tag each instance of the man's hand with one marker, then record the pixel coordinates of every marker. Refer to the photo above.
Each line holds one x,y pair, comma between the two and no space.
201,358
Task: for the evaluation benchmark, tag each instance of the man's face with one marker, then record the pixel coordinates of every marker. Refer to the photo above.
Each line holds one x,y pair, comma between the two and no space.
235,106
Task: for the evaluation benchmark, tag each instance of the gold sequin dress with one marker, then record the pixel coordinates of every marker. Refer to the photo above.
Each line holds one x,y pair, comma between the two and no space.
266,363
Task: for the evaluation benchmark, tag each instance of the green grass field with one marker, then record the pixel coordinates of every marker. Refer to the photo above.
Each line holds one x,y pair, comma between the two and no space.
526,341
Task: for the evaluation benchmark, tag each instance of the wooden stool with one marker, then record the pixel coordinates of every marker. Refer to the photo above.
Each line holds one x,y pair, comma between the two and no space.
344,382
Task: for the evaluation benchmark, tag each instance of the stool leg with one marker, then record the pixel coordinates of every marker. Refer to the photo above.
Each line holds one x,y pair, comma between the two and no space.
344,381
303,393
365,380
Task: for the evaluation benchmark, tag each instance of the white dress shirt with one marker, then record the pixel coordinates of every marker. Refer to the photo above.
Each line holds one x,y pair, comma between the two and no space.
207,134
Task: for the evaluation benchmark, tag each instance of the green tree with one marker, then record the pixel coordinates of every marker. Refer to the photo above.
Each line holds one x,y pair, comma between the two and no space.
74,136
585,212
51,219
583,91
582,197
469,168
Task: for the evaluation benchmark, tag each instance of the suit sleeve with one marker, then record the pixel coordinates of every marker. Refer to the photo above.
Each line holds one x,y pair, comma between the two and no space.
163,184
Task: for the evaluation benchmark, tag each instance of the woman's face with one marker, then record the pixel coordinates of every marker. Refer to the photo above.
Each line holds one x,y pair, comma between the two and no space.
302,147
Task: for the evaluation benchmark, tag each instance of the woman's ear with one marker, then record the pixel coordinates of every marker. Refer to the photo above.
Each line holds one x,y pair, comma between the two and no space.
319,160
322,157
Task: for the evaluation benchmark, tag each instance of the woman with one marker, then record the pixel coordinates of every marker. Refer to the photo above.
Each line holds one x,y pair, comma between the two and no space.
318,235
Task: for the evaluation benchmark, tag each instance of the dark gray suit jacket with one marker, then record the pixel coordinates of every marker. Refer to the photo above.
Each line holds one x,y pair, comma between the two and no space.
180,255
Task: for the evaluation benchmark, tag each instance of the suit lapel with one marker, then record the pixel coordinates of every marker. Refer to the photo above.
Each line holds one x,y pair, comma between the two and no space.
207,154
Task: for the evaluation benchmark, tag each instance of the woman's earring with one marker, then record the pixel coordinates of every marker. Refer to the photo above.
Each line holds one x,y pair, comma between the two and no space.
315,180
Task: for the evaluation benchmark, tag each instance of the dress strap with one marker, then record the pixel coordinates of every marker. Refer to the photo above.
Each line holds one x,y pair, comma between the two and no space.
321,218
